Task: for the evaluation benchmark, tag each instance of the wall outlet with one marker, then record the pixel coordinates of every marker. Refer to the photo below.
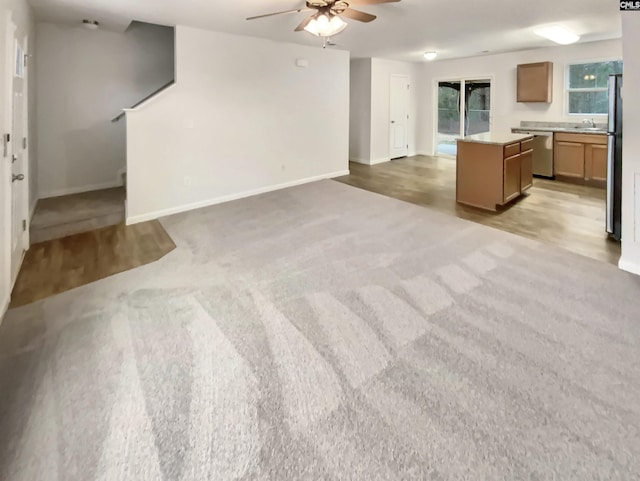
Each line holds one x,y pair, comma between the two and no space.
187,180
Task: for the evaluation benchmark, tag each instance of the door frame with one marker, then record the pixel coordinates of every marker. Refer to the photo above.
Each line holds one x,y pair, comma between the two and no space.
6,169
408,106
26,151
5,166
462,79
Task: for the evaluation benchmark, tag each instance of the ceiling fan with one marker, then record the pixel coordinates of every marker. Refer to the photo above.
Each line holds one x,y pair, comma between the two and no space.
327,21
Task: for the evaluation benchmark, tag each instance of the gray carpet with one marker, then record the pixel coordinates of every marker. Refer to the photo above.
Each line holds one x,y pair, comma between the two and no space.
328,333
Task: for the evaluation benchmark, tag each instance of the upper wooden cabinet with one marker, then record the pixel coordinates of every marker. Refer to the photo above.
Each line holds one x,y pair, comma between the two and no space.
535,82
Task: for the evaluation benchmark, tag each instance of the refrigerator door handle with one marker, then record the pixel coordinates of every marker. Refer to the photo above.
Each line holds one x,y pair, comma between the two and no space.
610,174
612,104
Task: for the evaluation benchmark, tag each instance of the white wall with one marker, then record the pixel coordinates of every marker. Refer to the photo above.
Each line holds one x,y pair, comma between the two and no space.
360,111
507,112
241,119
630,259
371,80
23,19
85,78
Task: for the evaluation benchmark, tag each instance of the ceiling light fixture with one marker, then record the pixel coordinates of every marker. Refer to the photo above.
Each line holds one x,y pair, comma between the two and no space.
558,35
325,25
430,55
91,24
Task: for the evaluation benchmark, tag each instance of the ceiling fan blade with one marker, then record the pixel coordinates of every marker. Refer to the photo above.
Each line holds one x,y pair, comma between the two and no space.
358,15
304,23
371,2
304,9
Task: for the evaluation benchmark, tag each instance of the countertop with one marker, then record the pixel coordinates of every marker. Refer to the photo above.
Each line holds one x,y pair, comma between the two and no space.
572,130
496,138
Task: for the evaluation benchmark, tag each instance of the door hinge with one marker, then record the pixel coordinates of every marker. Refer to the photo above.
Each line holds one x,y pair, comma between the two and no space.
6,138
24,142
24,225
26,59
408,87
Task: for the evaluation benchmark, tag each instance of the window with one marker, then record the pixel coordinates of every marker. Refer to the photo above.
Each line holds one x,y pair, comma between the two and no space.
19,72
587,90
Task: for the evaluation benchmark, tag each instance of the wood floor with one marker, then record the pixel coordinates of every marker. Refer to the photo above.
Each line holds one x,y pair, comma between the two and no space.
58,265
567,215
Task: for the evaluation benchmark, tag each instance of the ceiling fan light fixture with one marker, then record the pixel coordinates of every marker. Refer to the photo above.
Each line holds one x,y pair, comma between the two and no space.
430,55
324,25
558,35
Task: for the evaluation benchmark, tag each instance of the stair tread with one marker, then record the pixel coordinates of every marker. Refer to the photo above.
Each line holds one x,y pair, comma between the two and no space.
42,234
78,207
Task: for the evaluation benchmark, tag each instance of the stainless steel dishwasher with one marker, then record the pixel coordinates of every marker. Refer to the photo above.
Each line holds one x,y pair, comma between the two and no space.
542,152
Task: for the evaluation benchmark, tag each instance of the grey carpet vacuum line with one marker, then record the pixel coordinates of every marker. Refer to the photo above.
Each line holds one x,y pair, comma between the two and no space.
328,333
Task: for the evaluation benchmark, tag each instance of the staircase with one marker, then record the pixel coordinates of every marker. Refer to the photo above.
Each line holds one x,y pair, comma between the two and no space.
58,217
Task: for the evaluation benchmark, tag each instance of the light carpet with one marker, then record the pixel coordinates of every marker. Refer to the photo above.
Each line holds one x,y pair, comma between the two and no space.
327,333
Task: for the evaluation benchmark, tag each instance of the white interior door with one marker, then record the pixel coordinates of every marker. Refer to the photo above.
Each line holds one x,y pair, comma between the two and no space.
19,183
399,117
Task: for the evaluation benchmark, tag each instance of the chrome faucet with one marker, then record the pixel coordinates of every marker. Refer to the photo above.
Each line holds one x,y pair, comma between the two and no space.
591,123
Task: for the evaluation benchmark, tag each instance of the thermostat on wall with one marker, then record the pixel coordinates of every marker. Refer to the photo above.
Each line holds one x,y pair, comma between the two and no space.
302,62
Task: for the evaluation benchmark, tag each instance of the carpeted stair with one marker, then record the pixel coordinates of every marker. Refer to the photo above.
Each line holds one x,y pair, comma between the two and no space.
58,217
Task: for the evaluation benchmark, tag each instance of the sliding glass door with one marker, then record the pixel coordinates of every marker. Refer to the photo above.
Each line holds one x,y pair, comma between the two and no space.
464,108
448,117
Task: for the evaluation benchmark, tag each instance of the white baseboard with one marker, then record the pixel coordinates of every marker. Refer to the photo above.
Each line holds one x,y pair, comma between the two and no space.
33,210
78,190
370,162
629,266
358,161
136,219
4,307
379,161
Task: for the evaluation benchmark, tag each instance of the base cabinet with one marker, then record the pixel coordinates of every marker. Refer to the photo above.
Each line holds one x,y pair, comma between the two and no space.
526,170
595,162
511,178
489,174
569,159
581,158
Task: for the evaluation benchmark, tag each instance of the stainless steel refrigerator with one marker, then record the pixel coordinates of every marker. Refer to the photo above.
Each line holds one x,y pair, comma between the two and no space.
614,166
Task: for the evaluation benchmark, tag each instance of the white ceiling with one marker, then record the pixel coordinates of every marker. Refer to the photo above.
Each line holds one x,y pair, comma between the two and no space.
403,31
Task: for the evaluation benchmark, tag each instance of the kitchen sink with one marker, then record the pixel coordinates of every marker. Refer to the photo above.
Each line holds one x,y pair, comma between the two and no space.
590,129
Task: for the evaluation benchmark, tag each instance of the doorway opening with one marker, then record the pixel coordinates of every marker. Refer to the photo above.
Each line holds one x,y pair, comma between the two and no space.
464,108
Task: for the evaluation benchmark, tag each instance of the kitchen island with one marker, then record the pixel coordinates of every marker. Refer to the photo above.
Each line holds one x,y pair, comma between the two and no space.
493,169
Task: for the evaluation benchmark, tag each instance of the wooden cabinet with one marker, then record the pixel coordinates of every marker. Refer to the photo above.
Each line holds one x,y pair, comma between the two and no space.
535,82
595,163
526,168
581,158
511,187
569,159
489,174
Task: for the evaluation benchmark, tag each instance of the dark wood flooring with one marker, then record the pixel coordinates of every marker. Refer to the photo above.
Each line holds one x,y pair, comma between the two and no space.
59,265
570,216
